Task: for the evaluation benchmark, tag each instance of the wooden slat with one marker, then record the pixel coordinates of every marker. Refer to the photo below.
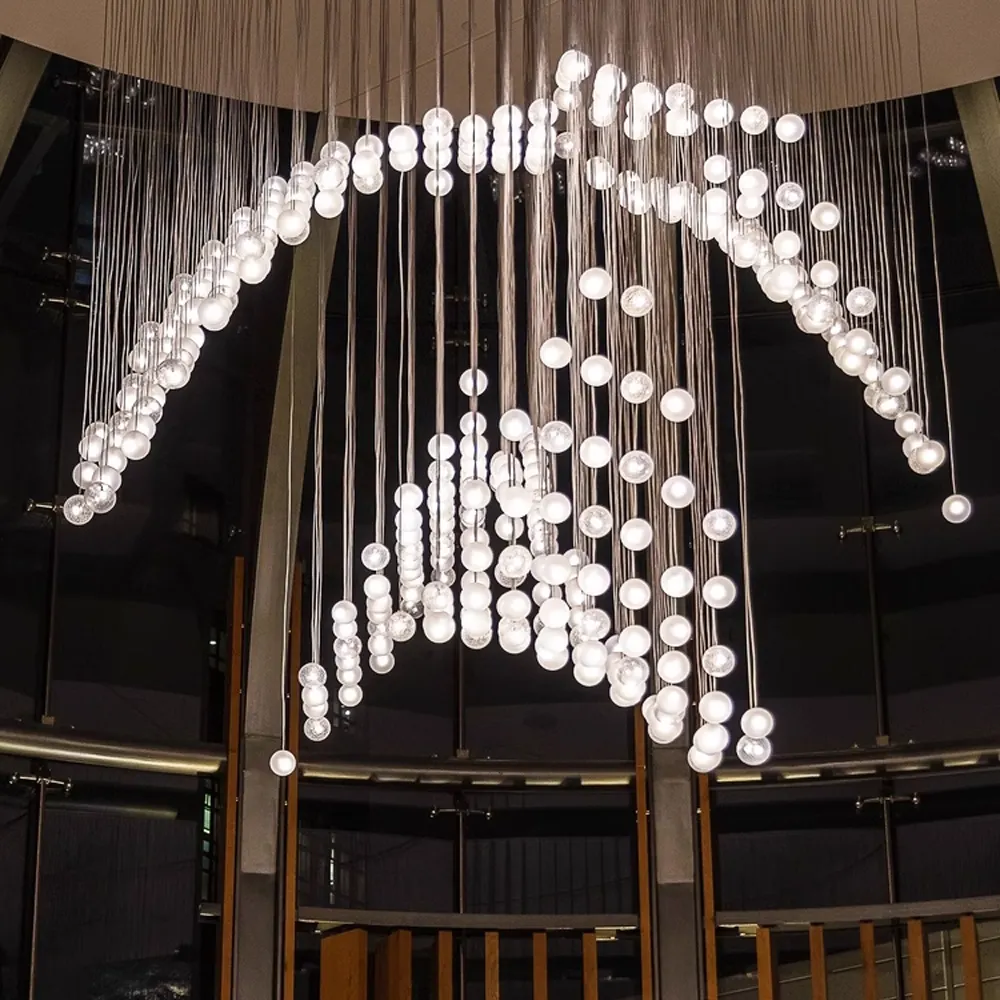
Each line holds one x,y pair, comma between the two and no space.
445,965
817,961
868,970
589,966
380,971
972,975
234,682
401,965
920,981
492,965
292,788
707,887
767,978
642,843
540,966
343,966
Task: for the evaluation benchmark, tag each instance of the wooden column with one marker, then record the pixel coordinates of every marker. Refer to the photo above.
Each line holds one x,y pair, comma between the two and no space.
642,843
708,887
590,966
491,966
343,966
767,973
868,969
817,962
970,959
234,691
540,966
394,967
291,824
444,974
916,941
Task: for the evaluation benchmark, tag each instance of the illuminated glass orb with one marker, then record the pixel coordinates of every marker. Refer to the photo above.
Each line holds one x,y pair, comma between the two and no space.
350,696
957,508
477,556
638,128
283,763
473,383
595,623
290,225
749,206
719,524
753,182
316,729
710,738
475,494
787,244
718,113
554,613
472,423
718,661
343,612
637,300
610,81
376,585
719,592
753,751
596,521
556,437
634,640
889,407
375,557
825,216
346,648
591,654
514,604
678,95
555,508
677,405
438,626
402,137
754,120
594,452
789,128
703,763
594,579
718,169
514,634
673,667
84,473
439,183
566,145
663,731
636,467
634,594
401,626
555,352
595,283
172,374
596,370
671,702
677,581
850,363
76,511
715,707
316,711
636,387
314,695
824,274
100,497
861,301
789,196
636,534
515,501
646,98
109,476
675,630
906,424
924,459
895,381
253,270
715,201
514,425
677,492
682,122
757,722
551,659
601,176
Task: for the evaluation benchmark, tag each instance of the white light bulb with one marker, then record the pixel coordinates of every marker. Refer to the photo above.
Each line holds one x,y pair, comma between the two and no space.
555,352
595,283
677,581
635,534
677,405
825,216
789,128
283,763
594,452
677,492
719,592
718,169
596,370
634,594
675,630
673,667
957,508
757,722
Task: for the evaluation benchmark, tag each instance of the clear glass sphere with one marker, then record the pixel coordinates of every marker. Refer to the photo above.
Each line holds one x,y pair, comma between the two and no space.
596,370
677,581
675,630
636,467
316,711
719,592
671,702
343,612
595,623
350,696
889,407
601,176
514,634
824,274
753,182
314,695
439,183
477,557
475,494
402,626
858,341
555,352
636,387
753,751
84,473
566,144
710,738
636,534
718,661
634,594
924,459
754,120
749,206
316,729
637,300
594,452
715,201
677,405
375,556
312,675
719,524
825,216
515,562
328,205
787,244
895,381
100,497
957,508
861,301
594,579
663,731
172,374
283,763
515,501
718,169
376,586
789,196
595,283
591,654
789,128
403,160
677,492
475,593
757,722
473,383
596,521
906,424
718,113
514,604
76,510
556,437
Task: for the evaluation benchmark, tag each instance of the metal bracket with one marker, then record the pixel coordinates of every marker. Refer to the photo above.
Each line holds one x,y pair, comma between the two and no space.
460,811
868,525
45,781
63,300
886,800
51,508
68,256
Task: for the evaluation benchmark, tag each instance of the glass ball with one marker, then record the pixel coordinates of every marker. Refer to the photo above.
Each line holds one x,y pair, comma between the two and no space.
634,594
906,424
754,120
757,722
100,497
719,592
375,557
677,492
718,113
888,406
594,452
172,373
596,521
635,534
84,473
555,508
711,738
343,612
438,626
440,447
601,176
515,501
715,201
825,216
470,388
350,697
514,561
574,65
549,659
924,459
749,206
675,630
556,437
514,604
555,352
673,667
283,763
718,169
719,524
566,144
789,128
895,381
439,183
514,635
703,763
912,442
403,160
861,301
634,640
787,244
316,711
316,729
636,387
402,626
376,586
677,405
636,467
514,425
594,579
858,341
753,750
327,204
554,613
551,640
596,370
591,654
475,494
957,508
477,557
789,196
347,647
663,731
715,707
718,661
290,225
475,594
677,581
314,695
76,510
753,182
670,702
595,283
824,274
637,301
595,623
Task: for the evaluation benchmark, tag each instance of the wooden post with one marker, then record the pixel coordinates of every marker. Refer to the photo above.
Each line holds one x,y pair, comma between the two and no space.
920,982
708,887
970,959
642,843
817,961
491,966
767,976
540,965
445,965
869,971
343,966
234,690
292,789
590,966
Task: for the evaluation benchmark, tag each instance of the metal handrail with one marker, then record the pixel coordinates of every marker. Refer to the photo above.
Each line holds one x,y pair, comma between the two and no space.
333,917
